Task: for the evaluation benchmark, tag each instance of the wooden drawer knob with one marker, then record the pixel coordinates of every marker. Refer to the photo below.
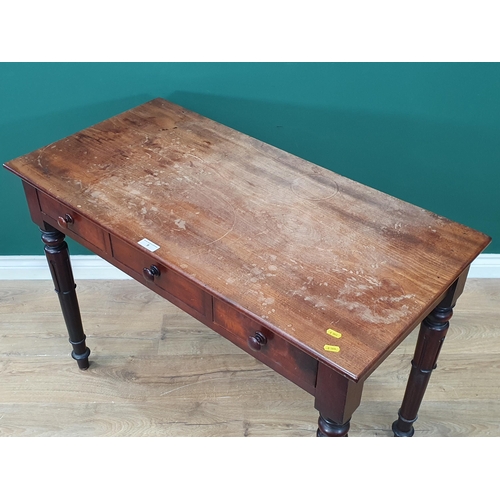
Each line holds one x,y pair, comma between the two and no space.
256,341
150,273
65,221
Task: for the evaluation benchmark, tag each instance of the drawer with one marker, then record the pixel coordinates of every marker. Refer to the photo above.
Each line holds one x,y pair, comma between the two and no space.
175,284
274,351
71,222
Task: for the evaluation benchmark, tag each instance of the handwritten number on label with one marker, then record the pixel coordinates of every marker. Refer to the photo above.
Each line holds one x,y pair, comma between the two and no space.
331,348
333,333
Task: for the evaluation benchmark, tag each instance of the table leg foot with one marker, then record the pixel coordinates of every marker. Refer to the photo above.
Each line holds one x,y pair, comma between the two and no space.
403,427
329,428
82,360
56,251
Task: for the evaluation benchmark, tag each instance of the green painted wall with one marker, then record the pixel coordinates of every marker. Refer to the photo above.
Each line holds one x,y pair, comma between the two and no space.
426,133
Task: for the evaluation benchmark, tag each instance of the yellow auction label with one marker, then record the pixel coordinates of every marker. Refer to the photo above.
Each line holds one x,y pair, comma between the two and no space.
333,333
331,348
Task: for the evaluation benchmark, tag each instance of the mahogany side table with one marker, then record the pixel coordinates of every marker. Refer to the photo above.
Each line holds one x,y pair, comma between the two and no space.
315,275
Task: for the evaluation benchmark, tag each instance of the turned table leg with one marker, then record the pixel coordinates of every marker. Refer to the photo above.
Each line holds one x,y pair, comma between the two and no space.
430,340
56,251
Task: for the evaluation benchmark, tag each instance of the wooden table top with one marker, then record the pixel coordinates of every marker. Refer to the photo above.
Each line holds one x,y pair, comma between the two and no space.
296,246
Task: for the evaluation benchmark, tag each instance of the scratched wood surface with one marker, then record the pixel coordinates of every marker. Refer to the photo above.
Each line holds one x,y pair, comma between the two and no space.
297,246
157,372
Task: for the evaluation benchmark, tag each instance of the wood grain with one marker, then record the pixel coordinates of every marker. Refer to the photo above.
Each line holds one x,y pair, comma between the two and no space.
295,246
155,371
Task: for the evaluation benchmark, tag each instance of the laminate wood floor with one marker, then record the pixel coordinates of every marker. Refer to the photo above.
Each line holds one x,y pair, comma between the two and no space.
157,372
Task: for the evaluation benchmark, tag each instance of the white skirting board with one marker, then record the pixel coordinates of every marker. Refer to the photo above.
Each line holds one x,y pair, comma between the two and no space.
28,267
34,267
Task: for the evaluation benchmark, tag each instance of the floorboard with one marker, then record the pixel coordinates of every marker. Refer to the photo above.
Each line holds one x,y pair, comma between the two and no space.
157,372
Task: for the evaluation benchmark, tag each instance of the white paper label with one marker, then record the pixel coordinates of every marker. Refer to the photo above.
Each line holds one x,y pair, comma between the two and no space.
152,247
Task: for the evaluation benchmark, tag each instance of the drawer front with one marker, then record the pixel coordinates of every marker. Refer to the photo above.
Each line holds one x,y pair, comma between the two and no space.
168,280
77,224
276,352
